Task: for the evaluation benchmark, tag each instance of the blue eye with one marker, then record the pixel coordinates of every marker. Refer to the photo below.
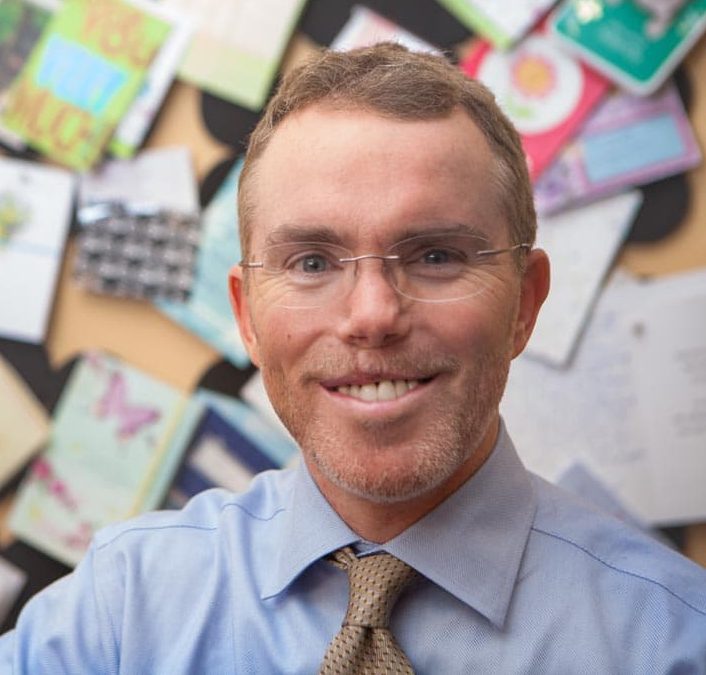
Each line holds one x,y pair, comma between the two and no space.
312,263
436,257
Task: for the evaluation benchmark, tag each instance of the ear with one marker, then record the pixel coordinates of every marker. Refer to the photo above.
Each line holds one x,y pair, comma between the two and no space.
535,287
241,310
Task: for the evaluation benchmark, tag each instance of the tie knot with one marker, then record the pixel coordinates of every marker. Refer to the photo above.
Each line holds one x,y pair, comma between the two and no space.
376,582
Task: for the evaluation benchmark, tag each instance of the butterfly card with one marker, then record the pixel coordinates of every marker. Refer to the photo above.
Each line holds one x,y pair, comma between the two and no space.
117,439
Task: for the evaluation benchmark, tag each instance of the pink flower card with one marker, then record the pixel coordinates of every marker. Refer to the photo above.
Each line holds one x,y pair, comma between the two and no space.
544,91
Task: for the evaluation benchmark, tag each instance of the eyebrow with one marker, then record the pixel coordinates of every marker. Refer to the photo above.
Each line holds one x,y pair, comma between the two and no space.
322,234
442,229
288,233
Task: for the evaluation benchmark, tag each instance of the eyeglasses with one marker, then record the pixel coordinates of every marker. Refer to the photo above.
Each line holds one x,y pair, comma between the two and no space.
433,268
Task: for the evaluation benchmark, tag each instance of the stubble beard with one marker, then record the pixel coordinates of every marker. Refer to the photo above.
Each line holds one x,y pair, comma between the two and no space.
453,433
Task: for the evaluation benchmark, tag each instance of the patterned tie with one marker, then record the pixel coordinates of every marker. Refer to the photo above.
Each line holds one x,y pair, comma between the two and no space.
365,645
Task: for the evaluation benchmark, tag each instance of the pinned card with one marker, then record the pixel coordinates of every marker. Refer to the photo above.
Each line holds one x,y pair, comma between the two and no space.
81,77
636,43
35,213
627,141
116,442
544,91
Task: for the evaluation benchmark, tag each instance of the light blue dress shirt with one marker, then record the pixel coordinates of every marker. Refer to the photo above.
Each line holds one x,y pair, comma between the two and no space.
518,577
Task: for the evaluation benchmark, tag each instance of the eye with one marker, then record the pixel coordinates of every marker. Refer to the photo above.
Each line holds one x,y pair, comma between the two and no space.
438,256
307,262
310,263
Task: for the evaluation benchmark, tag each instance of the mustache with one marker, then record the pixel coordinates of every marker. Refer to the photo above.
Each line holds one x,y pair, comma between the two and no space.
415,362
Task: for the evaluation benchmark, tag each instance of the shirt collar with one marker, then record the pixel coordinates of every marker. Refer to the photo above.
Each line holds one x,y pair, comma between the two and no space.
482,528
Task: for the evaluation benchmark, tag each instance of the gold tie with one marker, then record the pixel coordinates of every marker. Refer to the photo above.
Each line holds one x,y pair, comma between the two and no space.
365,645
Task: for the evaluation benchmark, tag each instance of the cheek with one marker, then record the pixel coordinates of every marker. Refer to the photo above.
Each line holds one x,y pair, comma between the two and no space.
480,327
283,336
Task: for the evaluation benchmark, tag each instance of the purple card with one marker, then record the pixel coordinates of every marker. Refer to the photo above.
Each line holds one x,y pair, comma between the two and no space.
628,141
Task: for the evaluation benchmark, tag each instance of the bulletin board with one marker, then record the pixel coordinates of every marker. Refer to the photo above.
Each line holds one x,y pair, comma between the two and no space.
669,236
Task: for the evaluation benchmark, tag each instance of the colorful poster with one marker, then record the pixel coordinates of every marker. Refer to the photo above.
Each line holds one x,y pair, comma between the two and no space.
81,77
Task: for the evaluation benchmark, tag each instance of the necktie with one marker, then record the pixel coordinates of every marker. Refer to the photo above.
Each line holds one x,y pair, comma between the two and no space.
365,645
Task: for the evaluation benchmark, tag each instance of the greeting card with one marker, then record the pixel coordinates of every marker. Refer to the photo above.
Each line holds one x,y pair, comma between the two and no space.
117,439
627,140
636,43
21,25
81,77
544,91
35,214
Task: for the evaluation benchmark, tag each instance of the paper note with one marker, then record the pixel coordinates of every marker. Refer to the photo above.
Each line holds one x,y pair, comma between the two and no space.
587,411
272,438
669,368
160,177
81,77
116,442
35,213
133,251
237,46
590,410
582,244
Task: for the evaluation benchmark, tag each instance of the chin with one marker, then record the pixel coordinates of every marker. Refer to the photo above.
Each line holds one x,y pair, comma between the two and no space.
392,475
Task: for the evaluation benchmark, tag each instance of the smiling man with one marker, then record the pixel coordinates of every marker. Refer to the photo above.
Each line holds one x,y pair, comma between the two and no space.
388,280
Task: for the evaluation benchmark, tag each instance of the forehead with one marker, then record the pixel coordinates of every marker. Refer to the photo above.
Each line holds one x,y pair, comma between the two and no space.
365,176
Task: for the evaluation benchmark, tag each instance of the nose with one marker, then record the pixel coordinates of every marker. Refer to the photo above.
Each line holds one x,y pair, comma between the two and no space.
375,314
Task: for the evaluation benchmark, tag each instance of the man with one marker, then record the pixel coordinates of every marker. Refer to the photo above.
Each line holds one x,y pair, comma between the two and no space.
388,280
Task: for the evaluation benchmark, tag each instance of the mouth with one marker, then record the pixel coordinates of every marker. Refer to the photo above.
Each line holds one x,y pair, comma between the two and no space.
381,390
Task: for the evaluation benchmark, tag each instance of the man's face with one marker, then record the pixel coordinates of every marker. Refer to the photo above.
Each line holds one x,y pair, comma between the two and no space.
389,398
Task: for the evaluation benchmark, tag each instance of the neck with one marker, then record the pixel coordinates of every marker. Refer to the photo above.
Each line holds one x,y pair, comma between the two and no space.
379,522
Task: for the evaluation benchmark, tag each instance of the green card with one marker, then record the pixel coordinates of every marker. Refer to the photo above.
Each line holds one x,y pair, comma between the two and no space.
81,77
636,44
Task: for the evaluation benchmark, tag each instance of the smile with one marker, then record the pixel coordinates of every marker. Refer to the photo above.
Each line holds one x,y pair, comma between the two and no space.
386,390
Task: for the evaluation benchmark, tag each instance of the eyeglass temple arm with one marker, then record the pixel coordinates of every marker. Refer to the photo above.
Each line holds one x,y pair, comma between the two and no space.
495,251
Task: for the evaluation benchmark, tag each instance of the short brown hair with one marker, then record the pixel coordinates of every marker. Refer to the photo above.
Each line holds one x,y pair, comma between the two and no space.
390,80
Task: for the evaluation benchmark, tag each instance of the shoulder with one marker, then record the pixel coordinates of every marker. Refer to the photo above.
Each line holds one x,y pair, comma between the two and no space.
615,556
207,516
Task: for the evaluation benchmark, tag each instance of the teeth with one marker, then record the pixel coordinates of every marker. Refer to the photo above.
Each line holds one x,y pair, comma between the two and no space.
387,390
